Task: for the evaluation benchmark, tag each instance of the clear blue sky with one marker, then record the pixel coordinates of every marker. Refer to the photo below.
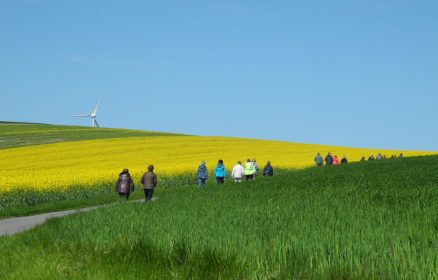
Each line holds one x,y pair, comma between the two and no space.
353,73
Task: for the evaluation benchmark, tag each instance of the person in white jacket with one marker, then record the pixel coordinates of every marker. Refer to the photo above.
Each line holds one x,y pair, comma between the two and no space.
238,172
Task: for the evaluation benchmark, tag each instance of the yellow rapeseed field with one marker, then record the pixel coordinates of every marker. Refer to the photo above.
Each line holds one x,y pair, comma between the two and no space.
88,163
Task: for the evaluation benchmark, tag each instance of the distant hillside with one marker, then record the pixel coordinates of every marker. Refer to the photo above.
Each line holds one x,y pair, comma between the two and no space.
14,135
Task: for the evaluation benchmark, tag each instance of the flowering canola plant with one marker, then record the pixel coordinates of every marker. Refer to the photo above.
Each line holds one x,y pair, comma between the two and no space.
93,162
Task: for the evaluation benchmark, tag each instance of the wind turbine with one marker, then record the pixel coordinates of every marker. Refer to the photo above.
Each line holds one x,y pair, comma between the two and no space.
92,115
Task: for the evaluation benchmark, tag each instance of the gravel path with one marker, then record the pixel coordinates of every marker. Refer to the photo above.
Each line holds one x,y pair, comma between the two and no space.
12,226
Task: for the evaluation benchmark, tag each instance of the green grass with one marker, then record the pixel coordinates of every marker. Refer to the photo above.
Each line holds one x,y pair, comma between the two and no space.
370,220
14,135
29,202
64,204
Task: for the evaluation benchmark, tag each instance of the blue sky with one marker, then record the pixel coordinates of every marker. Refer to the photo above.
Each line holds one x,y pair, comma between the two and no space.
351,73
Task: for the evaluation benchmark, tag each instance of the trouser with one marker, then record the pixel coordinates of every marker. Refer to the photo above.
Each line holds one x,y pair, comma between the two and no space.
201,182
220,180
319,164
124,197
249,177
148,194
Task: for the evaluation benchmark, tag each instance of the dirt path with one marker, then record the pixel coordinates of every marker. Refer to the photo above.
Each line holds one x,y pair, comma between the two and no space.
12,226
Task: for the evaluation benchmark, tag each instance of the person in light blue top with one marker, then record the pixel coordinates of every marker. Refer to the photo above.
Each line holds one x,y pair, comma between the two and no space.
202,175
220,172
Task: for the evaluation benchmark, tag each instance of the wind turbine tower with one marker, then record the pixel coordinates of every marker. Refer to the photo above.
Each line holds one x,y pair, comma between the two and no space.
92,115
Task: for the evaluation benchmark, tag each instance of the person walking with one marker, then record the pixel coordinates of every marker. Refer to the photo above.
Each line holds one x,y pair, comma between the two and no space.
379,156
249,170
318,160
335,160
328,159
220,172
149,181
124,185
256,168
202,175
371,157
344,160
268,170
238,172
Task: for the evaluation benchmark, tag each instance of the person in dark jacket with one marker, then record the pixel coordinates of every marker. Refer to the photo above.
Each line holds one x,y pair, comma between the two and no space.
220,172
344,160
268,170
124,185
202,175
149,181
328,159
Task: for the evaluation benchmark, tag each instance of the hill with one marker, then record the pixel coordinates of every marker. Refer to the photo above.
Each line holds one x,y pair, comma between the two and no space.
79,165
368,220
14,135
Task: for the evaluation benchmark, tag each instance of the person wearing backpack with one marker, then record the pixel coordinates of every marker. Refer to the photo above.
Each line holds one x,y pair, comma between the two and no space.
124,185
328,159
202,175
149,181
220,172
318,160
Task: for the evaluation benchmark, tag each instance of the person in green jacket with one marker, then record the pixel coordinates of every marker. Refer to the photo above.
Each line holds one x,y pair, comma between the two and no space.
249,170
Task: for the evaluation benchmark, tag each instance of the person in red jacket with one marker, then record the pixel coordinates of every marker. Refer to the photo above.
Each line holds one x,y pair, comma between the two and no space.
335,160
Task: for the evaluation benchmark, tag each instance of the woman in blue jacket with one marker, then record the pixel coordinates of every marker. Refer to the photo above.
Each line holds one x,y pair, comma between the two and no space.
220,172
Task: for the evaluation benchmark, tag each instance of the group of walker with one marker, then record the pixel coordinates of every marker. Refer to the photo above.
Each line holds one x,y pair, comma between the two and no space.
329,160
333,160
249,171
125,185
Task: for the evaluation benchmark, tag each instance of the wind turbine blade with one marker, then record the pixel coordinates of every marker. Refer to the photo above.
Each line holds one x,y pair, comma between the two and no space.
97,107
80,116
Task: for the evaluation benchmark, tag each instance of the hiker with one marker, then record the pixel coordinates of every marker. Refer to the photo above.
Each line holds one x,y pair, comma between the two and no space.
379,157
362,159
318,160
400,156
249,170
328,159
335,160
238,172
202,175
220,172
268,170
124,185
149,181
371,157
256,168
344,160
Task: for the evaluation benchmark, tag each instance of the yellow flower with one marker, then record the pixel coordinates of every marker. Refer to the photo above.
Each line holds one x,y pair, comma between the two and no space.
88,163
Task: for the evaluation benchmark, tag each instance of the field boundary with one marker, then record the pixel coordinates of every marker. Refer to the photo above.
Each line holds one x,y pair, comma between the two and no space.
11,226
